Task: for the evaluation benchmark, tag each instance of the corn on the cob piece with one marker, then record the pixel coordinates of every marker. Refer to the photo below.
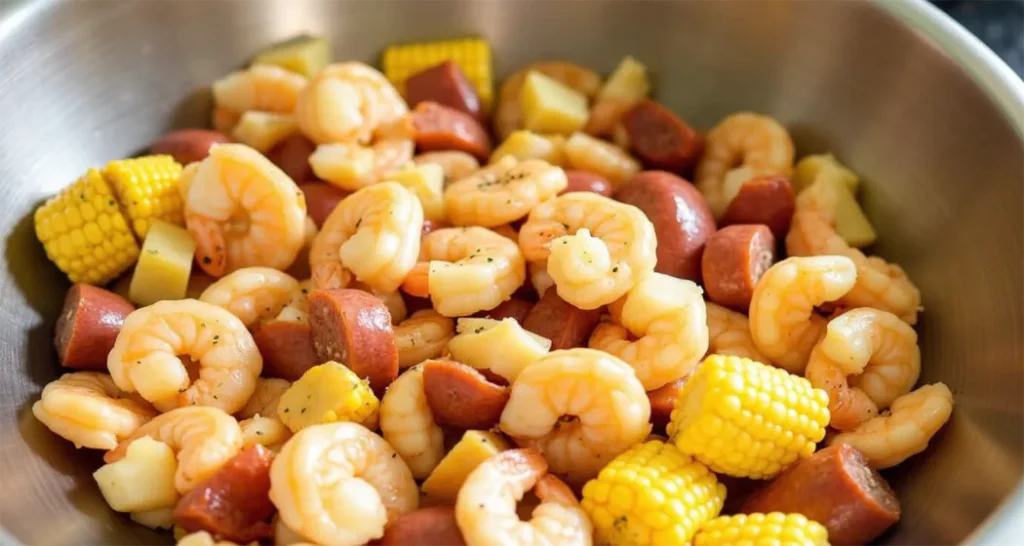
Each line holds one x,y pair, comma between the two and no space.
147,188
327,393
771,529
746,419
473,56
85,233
652,494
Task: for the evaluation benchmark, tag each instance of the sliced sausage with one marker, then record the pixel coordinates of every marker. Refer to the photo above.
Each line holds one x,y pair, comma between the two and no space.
292,156
587,181
734,259
438,127
663,399
659,139
234,504
287,348
88,326
681,218
764,200
460,397
836,488
432,526
446,85
188,145
321,198
354,327
566,325
513,308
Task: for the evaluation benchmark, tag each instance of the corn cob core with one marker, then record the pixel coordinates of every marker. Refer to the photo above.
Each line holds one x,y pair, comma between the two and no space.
746,419
473,56
651,494
147,188
771,529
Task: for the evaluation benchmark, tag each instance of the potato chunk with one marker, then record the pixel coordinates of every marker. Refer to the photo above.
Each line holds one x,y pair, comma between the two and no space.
143,480
551,107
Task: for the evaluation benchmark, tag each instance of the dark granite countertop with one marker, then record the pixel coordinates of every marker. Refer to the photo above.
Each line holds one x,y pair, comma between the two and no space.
999,23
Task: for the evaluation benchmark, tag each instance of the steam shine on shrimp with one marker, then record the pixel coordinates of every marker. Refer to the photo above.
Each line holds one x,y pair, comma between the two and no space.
408,425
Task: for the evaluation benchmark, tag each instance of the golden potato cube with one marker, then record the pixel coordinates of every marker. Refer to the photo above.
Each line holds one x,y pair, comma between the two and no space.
524,145
143,480
447,478
164,265
808,169
327,393
157,518
850,222
263,130
304,55
426,182
477,339
628,82
551,107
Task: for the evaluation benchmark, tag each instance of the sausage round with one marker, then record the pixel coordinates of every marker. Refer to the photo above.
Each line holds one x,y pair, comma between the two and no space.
836,488
439,127
292,156
459,396
88,326
681,218
663,399
764,200
188,145
432,526
566,325
659,138
734,259
354,327
446,85
587,181
321,198
287,348
513,308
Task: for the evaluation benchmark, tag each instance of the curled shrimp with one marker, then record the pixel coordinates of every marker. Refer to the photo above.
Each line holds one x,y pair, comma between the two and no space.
347,102
668,317
373,234
203,438
729,334
906,429
874,350
265,88
465,270
502,192
880,284
253,294
243,211
145,356
86,408
392,300
508,114
485,508
455,164
265,398
340,484
297,307
351,165
580,408
740,147
268,432
422,336
596,249
782,319
407,423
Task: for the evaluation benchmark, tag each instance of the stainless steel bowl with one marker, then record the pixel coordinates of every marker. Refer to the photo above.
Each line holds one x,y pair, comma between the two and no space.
932,119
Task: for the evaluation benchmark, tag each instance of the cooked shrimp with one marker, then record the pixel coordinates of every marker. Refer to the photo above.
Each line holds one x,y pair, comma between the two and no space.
203,438
86,408
340,484
373,234
903,431
253,294
347,102
351,165
590,270
668,317
740,147
297,308
782,319
392,300
878,350
880,284
590,154
729,334
268,432
539,277
455,164
408,425
145,356
502,192
485,508
243,211
266,88
508,115
580,408
265,398
422,336
465,270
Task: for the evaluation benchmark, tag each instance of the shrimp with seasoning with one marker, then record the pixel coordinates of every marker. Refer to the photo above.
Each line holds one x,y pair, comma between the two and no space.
297,308
455,164
596,248
422,336
485,508
145,356
373,234
340,484
668,317
740,147
265,88
729,334
265,398
268,432
876,352
203,439
351,165
502,192
86,408
465,270
253,294
903,431
242,211
783,323
508,114
407,423
580,408
347,102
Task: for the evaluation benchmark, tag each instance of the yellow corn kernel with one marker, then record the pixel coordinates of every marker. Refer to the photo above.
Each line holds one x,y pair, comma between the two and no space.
327,393
147,188
164,265
550,106
587,153
426,182
524,145
746,419
651,494
473,56
475,447
304,55
263,130
775,528
85,233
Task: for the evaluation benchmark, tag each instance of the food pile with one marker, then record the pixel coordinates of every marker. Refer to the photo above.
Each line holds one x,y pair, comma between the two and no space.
386,306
